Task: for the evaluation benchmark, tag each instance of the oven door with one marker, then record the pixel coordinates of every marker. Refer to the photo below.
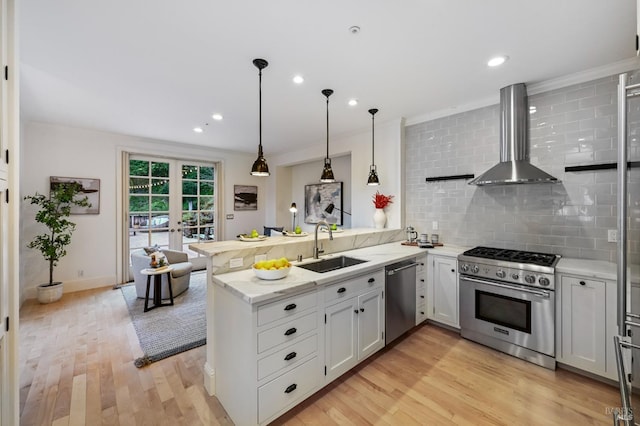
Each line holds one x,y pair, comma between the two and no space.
521,315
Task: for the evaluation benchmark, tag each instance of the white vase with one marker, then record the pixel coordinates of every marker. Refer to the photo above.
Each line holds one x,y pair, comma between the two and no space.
379,218
50,293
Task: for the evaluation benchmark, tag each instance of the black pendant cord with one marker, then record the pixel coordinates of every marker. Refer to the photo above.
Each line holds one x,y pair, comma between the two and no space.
327,93
373,112
260,111
327,127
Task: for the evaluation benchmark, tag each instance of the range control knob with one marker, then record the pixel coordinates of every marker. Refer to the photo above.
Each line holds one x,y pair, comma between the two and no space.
464,267
500,273
544,281
530,279
475,269
515,276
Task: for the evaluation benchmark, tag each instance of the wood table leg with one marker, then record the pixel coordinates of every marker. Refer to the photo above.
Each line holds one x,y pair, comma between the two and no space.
157,290
170,284
146,297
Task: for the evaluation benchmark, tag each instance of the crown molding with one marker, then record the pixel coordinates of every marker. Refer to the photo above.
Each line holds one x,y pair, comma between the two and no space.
536,88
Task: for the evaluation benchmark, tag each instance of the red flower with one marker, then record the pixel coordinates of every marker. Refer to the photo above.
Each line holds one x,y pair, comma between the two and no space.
381,201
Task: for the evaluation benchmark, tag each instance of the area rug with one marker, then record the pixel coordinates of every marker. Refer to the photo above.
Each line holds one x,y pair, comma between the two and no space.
169,330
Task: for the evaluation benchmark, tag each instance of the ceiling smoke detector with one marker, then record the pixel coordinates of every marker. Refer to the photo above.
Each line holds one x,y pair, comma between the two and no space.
354,29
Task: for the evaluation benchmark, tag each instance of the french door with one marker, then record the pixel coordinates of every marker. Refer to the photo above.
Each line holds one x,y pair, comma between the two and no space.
171,204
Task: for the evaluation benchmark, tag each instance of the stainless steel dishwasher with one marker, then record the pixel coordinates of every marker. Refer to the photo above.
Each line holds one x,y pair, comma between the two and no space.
400,298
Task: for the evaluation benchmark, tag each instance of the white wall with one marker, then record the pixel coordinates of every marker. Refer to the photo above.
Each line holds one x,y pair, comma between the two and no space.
573,125
309,173
389,157
54,150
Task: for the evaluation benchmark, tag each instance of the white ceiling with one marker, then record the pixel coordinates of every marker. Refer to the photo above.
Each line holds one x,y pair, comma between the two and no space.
159,68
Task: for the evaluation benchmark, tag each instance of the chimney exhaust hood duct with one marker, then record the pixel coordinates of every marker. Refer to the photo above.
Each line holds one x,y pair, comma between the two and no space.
514,166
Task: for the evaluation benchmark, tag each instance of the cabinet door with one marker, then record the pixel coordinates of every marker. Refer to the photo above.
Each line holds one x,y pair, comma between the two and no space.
340,338
584,324
370,323
4,90
445,290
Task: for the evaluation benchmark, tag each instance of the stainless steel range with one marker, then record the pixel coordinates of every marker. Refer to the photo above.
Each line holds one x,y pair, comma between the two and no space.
507,302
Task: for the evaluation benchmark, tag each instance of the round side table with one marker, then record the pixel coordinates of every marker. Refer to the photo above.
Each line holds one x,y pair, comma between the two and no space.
156,273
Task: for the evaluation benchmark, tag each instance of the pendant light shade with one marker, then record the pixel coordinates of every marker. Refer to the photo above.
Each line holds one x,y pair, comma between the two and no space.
373,172
327,173
260,167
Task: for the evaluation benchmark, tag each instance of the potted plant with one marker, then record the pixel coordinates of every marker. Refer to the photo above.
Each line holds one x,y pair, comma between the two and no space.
53,213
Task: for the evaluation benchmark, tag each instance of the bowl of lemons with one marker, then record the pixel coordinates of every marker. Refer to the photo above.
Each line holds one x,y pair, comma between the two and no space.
272,269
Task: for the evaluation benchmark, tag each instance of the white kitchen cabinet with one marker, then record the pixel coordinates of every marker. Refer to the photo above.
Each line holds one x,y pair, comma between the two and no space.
4,90
275,347
586,315
442,290
354,323
421,289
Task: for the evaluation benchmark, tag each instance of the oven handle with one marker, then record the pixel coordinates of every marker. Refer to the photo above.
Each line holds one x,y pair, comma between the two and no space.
544,294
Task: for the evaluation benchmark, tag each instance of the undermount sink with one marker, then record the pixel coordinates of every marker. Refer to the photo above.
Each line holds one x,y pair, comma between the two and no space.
331,264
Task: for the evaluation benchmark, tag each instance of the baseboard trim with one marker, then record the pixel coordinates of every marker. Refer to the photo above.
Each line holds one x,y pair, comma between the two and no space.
78,285
209,379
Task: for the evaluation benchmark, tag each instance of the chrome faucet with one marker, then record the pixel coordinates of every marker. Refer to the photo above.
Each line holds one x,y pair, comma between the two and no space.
316,252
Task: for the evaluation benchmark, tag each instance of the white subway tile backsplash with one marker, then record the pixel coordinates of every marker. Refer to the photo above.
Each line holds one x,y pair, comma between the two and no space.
575,125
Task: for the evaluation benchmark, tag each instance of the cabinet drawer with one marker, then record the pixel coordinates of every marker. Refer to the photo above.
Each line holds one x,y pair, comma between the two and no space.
287,332
286,308
354,286
581,282
288,389
287,357
421,313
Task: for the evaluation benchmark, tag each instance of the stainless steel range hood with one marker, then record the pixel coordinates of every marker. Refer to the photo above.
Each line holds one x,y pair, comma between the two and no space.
514,166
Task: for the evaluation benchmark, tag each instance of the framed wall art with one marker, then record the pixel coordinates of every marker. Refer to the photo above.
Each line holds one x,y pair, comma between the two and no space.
323,201
88,187
245,197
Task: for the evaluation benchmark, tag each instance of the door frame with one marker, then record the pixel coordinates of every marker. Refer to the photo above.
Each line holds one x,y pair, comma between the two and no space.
122,199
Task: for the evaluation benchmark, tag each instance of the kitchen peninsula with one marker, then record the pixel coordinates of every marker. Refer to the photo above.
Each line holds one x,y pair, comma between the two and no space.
266,347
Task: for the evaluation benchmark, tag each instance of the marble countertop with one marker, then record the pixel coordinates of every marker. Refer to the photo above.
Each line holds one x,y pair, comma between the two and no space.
217,247
253,290
594,269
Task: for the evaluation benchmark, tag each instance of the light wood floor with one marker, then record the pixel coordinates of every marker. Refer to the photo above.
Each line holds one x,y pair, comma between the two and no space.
77,369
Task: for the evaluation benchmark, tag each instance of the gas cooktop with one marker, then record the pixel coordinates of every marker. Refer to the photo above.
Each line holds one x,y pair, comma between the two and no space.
516,256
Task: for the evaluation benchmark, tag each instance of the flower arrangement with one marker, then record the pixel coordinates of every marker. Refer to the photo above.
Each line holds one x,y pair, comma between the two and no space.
381,201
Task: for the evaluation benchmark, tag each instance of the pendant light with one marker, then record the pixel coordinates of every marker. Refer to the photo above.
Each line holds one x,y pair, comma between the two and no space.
373,172
327,173
260,167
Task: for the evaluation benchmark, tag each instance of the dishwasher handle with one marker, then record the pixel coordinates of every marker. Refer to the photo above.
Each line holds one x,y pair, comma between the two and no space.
402,268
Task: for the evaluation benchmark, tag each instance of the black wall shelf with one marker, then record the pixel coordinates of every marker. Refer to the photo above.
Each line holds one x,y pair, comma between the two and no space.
602,166
453,177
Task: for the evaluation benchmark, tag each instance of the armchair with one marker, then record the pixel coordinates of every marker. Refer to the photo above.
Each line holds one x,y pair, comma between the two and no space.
180,275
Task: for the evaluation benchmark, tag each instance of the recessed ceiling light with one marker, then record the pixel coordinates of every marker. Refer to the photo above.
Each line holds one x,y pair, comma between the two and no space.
198,129
354,29
353,102
298,79
217,116
498,60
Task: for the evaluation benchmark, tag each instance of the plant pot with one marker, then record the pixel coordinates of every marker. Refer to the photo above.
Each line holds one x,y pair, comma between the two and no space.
49,293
